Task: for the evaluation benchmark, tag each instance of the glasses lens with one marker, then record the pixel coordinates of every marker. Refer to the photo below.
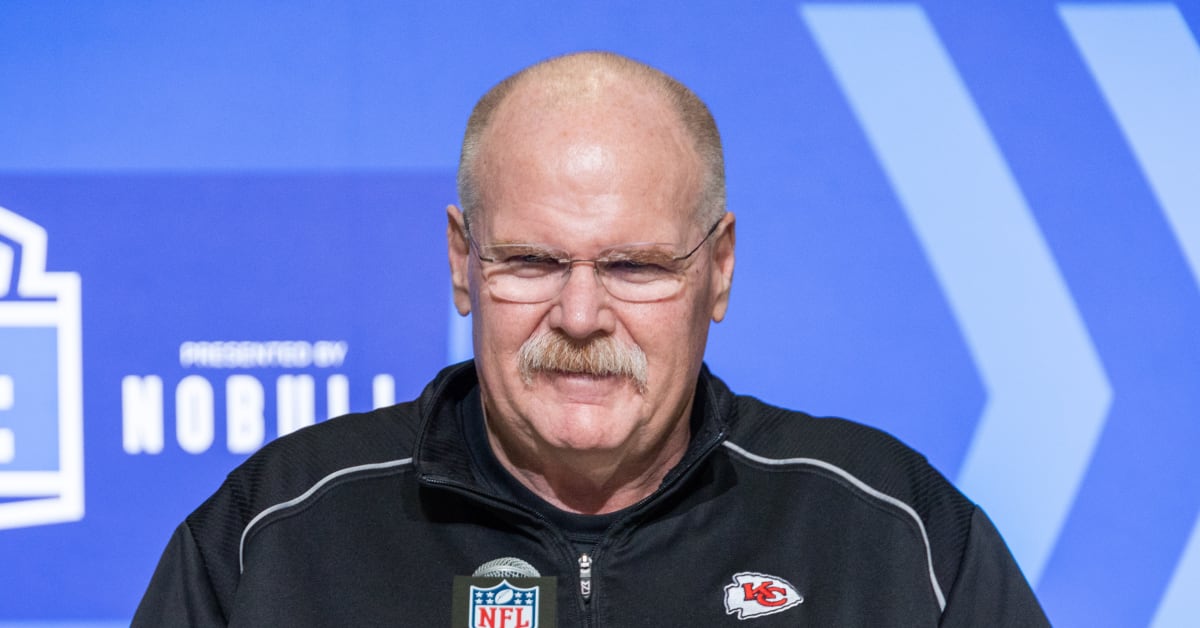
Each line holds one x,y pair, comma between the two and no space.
524,274
532,274
640,275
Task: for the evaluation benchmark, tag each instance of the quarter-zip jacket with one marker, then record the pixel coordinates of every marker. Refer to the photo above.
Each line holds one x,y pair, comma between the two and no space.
772,517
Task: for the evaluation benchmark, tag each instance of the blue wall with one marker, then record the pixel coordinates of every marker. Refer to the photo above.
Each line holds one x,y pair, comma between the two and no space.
975,225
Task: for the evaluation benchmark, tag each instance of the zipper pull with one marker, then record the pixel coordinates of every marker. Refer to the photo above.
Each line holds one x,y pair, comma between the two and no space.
585,576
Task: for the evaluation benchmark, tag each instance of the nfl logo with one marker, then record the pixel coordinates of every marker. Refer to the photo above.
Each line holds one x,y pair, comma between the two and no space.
504,606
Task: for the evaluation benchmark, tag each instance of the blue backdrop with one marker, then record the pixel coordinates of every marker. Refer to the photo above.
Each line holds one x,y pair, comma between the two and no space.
975,225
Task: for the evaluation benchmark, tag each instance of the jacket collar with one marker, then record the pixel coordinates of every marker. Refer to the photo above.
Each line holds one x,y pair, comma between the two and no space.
441,455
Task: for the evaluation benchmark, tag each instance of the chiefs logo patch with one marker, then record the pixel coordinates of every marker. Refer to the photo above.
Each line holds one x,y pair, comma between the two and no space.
756,594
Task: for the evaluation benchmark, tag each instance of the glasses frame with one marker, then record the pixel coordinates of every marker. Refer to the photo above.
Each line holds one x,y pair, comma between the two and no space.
570,262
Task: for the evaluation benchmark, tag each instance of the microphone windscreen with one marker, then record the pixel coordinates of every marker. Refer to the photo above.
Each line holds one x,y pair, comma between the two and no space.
507,567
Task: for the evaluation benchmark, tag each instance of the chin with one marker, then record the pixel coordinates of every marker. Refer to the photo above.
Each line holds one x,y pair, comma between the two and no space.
585,447
567,390
584,432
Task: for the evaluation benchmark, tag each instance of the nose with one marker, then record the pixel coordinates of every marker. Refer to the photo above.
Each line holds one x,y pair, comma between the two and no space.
583,308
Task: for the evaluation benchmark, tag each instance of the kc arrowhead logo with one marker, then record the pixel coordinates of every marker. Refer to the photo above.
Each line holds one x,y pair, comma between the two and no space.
41,382
756,594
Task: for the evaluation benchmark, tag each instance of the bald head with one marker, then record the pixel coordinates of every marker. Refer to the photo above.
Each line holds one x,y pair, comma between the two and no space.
579,85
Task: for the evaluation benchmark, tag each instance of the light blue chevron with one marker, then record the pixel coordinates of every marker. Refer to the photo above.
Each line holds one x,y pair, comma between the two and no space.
1148,68
1147,65
1180,606
1047,393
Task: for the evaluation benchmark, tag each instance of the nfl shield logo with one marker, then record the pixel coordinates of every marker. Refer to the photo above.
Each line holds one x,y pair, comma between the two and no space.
504,606
41,382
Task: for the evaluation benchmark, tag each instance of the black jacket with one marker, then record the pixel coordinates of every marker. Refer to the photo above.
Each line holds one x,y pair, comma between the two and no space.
772,517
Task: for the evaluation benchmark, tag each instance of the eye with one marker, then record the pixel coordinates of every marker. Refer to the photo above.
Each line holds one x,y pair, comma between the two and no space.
630,265
532,259
532,264
636,270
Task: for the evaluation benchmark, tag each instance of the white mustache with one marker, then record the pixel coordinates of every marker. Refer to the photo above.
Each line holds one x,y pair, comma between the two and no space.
602,356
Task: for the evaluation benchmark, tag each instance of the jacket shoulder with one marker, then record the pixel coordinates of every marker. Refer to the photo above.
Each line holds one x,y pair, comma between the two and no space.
199,573
876,457
284,470
294,462
867,460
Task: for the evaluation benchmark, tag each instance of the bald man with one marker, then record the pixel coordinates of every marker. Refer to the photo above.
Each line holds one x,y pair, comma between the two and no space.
586,469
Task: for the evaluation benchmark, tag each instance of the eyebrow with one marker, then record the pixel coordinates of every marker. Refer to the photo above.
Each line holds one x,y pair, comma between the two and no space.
638,255
539,246
639,251
525,247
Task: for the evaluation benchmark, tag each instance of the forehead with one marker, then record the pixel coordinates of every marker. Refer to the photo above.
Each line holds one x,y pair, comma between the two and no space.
619,158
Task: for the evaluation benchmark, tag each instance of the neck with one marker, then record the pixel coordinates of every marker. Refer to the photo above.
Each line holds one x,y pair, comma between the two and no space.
590,482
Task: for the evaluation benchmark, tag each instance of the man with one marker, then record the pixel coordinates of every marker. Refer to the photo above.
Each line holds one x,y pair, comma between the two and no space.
586,467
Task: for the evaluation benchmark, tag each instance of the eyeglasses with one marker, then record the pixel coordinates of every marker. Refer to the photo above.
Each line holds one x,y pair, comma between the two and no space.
533,273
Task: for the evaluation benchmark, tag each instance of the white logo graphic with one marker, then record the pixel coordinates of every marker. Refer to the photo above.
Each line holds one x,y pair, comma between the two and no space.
41,382
756,594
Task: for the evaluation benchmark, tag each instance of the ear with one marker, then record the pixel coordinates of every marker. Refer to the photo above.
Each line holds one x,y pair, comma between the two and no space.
460,252
722,273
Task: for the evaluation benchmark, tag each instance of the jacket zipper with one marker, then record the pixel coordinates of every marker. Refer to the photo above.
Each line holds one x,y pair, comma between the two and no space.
585,561
585,577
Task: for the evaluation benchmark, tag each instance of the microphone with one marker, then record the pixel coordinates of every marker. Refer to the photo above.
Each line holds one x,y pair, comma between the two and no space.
507,567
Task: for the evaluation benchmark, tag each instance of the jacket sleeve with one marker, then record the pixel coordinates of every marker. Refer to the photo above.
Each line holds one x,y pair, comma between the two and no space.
990,589
180,592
